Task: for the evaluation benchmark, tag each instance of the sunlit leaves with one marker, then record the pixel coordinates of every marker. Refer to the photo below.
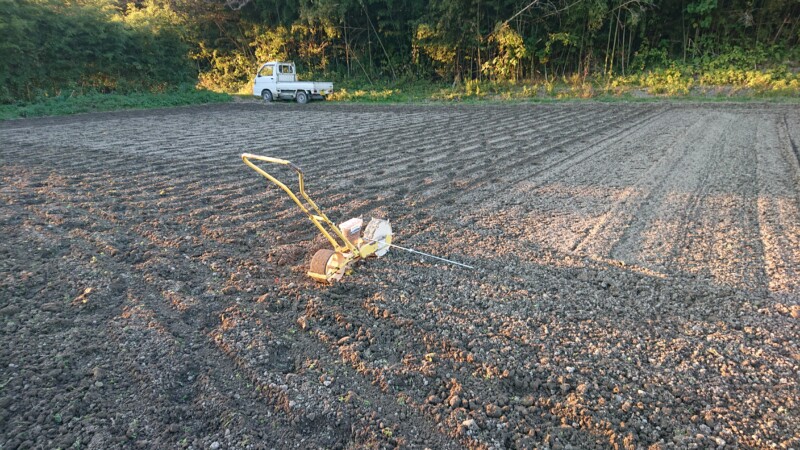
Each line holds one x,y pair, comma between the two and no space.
510,51
90,45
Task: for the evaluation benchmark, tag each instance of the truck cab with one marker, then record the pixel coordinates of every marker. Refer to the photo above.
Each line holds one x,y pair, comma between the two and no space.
278,80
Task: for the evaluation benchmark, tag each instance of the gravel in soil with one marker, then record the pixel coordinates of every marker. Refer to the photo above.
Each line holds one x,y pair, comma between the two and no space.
636,281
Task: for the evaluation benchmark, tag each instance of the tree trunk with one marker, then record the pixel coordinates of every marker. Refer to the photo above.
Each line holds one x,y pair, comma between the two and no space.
630,47
608,45
685,31
622,51
614,46
346,50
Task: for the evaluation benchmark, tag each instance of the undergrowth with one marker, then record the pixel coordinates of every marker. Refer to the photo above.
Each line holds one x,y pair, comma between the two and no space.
675,81
682,82
68,103
357,90
685,81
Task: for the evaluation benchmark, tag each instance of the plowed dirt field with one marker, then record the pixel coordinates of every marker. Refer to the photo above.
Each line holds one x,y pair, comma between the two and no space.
637,280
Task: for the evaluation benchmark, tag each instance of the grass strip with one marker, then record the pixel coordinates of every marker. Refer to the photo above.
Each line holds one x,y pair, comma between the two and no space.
95,102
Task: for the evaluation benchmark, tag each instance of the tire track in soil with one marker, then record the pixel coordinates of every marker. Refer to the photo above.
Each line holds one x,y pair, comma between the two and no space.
611,135
725,240
570,181
699,229
613,228
791,149
658,236
778,209
635,219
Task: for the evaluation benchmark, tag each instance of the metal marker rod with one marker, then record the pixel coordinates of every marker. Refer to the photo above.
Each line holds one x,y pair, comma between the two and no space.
426,254
431,256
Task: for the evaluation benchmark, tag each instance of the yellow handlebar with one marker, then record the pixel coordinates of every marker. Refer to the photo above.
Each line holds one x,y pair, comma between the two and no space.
248,156
319,218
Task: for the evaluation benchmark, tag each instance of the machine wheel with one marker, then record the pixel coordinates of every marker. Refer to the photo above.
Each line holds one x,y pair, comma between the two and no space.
266,94
329,264
380,231
301,97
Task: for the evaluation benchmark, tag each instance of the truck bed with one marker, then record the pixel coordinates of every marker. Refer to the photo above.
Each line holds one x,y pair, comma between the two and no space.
314,87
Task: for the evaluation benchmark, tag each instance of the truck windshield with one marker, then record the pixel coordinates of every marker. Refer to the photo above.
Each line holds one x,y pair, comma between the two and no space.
265,71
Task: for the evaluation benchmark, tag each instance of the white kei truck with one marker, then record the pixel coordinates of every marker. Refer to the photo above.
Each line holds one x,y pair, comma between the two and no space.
278,80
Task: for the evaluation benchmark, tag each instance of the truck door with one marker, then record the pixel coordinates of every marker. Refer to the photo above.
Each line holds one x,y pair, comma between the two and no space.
285,73
265,79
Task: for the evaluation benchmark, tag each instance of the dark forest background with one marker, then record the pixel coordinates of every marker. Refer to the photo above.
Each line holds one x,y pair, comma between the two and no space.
48,47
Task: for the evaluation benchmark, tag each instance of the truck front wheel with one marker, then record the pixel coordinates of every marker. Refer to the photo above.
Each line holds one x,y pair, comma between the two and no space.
301,97
266,94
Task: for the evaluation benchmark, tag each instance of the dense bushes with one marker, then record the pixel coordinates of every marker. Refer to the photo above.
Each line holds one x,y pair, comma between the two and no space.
506,40
93,102
50,47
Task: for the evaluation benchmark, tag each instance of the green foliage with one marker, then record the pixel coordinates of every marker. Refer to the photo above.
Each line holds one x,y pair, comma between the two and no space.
735,57
359,90
576,87
701,13
671,82
51,47
689,80
507,62
433,48
228,72
504,90
769,82
553,40
648,57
